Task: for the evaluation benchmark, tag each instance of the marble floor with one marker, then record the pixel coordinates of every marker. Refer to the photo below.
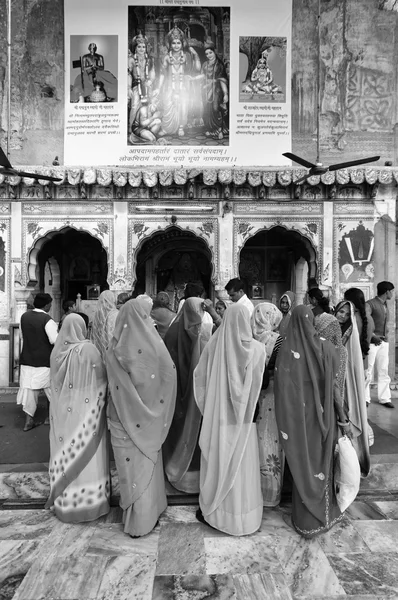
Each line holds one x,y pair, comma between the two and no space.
42,558
182,559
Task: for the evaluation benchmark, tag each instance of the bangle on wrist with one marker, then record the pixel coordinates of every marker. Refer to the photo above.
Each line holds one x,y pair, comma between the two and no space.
343,424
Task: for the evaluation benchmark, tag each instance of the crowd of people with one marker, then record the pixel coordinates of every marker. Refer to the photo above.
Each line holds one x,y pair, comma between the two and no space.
227,401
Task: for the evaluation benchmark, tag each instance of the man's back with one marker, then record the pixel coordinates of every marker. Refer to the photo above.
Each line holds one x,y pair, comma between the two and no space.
36,348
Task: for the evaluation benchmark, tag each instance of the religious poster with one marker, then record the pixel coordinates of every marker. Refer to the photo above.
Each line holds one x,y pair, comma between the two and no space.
194,83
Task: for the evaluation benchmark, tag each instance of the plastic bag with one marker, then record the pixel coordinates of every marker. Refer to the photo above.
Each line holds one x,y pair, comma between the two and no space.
347,473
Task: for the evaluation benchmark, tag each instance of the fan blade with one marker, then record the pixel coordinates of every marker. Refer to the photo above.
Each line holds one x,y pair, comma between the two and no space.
299,160
302,179
4,162
352,163
37,176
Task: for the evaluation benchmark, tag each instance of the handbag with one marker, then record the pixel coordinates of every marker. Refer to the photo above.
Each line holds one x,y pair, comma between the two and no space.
347,473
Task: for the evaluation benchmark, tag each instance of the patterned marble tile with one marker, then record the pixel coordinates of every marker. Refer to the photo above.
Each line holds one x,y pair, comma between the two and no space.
380,536
70,578
177,587
16,558
24,485
128,578
234,555
109,539
180,514
367,574
390,509
381,476
343,537
26,524
364,511
181,549
260,586
305,566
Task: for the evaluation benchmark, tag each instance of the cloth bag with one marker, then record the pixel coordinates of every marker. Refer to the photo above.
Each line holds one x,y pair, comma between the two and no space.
347,473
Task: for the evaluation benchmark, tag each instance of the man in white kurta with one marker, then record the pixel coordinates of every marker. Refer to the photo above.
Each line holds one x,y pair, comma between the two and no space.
236,293
38,333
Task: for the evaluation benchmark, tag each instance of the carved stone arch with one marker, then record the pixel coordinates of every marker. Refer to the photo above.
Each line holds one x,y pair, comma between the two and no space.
206,230
36,234
309,233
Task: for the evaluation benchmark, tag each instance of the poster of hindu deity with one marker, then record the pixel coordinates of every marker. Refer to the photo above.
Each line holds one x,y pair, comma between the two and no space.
197,83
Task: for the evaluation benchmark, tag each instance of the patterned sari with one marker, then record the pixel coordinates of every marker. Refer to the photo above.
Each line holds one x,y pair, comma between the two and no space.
305,374
99,330
79,462
265,319
355,398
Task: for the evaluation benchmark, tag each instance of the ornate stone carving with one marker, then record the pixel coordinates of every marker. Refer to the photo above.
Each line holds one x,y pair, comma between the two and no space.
329,177
239,177
28,181
254,178
89,176
74,176
14,180
209,176
314,180
269,178
104,177
225,176
135,178
297,173
150,178
180,176
61,174
284,177
369,99
357,176
165,177
119,178
342,176
385,177
371,175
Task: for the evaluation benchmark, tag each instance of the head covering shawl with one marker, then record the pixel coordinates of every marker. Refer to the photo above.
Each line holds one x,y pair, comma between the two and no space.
227,383
290,297
185,340
329,328
142,378
355,390
264,320
304,377
78,392
99,332
161,313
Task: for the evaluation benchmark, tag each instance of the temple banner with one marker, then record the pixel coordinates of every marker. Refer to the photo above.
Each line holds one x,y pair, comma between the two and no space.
178,84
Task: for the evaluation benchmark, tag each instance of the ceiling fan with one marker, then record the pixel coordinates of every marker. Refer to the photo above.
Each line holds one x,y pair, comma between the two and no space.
318,168
7,169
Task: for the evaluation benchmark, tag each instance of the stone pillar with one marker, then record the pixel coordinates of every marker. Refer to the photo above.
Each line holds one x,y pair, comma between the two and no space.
227,267
120,281
21,296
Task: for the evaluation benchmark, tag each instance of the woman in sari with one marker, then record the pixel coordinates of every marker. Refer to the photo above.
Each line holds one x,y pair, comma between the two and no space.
142,382
162,314
79,462
364,320
355,398
309,410
227,383
99,331
186,340
286,303
265,319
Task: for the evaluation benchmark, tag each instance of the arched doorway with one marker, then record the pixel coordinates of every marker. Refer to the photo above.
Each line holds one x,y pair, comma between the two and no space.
74,262
276,260
170,259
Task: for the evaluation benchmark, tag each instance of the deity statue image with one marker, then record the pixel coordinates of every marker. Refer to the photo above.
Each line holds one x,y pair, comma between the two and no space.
261,80
179,65
94,84
141,76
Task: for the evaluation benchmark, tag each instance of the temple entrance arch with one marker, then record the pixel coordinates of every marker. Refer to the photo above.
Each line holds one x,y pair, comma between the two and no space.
169,259
65,263
276,260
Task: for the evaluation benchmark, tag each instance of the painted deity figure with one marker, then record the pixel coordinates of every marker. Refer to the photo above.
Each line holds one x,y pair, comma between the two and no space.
179,65
214,94
261,80
141,75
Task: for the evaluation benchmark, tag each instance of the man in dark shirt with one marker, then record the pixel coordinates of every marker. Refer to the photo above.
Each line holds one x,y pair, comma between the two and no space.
38,332
378,351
